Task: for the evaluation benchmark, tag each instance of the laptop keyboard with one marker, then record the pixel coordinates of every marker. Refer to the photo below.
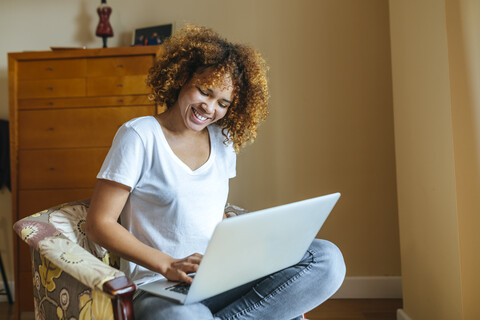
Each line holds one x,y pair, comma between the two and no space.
180,288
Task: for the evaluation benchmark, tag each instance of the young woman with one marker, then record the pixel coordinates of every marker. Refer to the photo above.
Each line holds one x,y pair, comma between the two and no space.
166,178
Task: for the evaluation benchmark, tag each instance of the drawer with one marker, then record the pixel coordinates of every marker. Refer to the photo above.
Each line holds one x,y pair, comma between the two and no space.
119,66
112,86
33,201
59,168
49,88
64,128
52,69
25,104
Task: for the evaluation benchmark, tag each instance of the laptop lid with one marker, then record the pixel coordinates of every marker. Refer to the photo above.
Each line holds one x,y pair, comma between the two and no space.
253,245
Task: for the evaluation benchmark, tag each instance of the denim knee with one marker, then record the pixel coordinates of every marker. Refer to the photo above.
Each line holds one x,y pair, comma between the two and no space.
329,259
150,307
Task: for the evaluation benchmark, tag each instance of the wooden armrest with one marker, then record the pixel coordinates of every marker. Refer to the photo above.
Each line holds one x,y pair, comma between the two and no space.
122,289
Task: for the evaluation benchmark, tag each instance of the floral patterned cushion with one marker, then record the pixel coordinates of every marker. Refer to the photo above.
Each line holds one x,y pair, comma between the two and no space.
57,295
233,211
58,233
69,269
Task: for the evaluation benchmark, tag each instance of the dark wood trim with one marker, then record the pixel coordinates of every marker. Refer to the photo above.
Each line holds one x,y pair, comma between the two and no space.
122,290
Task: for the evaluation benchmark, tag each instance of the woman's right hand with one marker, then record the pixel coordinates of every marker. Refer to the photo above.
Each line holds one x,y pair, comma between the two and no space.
178,269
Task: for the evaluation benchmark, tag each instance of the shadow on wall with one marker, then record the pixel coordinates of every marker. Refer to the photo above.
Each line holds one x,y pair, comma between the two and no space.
3,94
84,34
86,21
126,38
6,232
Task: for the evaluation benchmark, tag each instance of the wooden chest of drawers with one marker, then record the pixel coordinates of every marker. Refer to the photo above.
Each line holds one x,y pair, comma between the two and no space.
65,107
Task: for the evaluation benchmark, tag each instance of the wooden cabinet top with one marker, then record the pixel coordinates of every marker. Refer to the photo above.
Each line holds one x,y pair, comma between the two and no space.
86,53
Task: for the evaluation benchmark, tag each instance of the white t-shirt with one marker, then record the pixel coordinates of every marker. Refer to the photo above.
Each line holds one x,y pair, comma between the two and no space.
170,207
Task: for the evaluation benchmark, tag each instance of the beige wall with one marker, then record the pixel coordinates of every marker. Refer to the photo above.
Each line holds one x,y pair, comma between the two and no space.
463,25
436,76
331,123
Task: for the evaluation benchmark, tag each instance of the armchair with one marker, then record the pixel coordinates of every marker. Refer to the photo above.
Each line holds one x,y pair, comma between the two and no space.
73,277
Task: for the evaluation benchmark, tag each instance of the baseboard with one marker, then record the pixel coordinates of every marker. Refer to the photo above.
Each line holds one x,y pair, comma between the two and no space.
402,315
352,288
370,288
4,298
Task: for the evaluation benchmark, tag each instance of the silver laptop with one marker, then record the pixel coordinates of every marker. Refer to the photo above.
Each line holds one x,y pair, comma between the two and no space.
250,246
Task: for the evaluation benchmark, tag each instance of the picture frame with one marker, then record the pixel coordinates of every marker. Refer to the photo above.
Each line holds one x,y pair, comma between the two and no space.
152,36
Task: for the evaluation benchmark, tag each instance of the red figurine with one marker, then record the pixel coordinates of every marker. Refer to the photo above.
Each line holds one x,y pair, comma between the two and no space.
104,29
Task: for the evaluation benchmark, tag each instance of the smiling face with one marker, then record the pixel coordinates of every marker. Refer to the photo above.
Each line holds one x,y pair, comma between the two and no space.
200,105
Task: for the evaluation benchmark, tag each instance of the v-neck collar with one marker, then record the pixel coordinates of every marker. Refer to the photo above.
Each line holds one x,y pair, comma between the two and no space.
179,161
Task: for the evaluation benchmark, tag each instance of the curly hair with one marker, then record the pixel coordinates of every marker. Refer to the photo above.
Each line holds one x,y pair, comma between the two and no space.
193,49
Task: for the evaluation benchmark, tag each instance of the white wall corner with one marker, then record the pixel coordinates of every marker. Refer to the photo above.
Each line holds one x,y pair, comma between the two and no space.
370,288
11,285
402,315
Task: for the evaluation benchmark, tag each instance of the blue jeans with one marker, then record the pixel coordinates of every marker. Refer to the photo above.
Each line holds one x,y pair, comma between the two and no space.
285,294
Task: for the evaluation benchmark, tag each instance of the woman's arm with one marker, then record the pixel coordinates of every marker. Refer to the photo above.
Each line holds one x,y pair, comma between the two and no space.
102,227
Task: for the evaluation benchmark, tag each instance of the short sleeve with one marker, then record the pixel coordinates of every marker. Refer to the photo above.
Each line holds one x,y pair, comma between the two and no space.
125,159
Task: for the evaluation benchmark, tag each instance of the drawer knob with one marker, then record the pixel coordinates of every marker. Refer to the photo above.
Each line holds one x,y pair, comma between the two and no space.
120,100
120,66
51,129
50,103
49,69
120,85
50,88
51,169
